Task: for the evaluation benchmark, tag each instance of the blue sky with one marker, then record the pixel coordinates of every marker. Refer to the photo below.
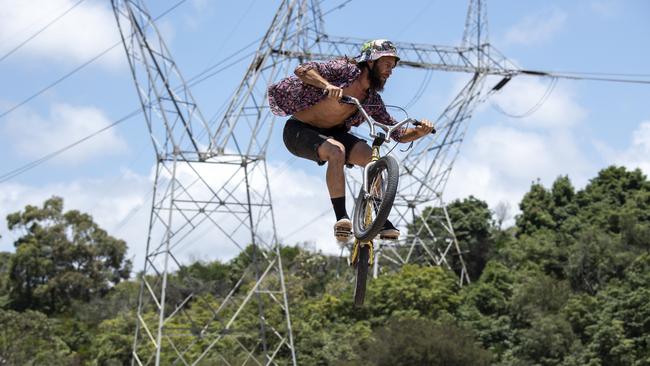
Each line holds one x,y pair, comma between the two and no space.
582,127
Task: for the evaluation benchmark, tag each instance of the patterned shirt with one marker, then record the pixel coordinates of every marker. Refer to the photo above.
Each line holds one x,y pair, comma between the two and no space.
291,95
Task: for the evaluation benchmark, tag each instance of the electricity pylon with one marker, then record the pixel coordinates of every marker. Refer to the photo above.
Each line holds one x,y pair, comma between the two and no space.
238,202
297,35
202,189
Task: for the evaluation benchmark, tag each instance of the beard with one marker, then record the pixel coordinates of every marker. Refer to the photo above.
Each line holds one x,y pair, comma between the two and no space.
376,82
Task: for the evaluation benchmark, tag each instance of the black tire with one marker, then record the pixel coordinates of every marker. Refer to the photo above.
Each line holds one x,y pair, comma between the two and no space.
388,169
362,275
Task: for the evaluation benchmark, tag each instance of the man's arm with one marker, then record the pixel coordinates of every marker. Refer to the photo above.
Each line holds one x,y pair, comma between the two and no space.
327,75
313,78
412,134
380,114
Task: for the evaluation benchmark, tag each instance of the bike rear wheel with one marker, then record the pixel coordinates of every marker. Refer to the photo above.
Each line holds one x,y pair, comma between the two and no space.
371,209
362,275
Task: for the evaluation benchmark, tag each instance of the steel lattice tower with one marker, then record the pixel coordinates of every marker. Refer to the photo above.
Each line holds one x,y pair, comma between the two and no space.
250,322
238,203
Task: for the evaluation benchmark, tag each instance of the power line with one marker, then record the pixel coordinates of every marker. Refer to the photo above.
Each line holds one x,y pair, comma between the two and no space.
198,79
7,176
40,31
12,174
53,84
43,90
78,68
535,107
603,74
313,220
576,76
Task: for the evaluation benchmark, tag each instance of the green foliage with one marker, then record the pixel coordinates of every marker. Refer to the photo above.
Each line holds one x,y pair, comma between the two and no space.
595,259
422,342
568,285
542,251
492,294
537,295
426,291
61,257
473,226
114,341
613,194
5,259
535,210
547,341
30,338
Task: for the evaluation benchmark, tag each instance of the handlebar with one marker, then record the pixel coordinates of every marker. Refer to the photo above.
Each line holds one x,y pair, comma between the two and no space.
372,123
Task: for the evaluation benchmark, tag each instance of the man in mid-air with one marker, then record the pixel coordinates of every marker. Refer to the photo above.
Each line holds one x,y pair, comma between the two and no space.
319,126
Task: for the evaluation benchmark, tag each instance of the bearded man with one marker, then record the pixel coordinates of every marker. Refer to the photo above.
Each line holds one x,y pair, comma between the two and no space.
319,126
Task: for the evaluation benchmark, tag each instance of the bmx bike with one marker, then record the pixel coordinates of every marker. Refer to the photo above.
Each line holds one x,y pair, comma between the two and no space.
375,198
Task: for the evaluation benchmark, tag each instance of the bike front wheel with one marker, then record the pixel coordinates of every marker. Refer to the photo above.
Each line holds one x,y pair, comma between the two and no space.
372,208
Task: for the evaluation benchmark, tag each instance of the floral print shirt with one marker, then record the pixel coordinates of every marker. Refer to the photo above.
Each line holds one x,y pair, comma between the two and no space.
291,95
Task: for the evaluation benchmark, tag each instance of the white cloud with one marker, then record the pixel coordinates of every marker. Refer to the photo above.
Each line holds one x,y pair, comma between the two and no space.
120,205
81,34
637,154
299,200
499,161
535,29
34,136
499,164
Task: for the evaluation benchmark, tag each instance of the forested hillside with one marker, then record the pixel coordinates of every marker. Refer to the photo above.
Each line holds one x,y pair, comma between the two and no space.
567,284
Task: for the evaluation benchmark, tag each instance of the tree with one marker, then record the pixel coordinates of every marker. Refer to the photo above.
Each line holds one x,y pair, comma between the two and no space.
473,225
426,291
4,274
547,341
613,194
422,342
60,258
30,338
535,210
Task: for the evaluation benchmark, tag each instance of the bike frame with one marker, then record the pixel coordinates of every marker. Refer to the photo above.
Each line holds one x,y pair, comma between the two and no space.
380,137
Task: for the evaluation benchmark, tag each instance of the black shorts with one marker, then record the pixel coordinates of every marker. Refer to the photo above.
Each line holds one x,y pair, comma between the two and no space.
303,140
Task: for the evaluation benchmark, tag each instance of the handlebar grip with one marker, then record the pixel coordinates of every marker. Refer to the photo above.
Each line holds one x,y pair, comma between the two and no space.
417,123
346,99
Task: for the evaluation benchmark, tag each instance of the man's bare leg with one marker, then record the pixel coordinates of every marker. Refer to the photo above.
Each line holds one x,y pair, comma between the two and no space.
360,154
333,152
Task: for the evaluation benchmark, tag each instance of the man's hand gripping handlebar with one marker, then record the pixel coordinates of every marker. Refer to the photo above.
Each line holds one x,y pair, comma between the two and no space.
372,123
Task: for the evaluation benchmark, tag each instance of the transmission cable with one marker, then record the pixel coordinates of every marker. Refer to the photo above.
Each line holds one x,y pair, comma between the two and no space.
7,176
313,220
421,89
57,81
40,31
49,156
535,107
78,68
576,76
603,74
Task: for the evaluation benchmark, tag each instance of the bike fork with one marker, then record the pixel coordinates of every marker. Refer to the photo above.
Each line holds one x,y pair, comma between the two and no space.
358,243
